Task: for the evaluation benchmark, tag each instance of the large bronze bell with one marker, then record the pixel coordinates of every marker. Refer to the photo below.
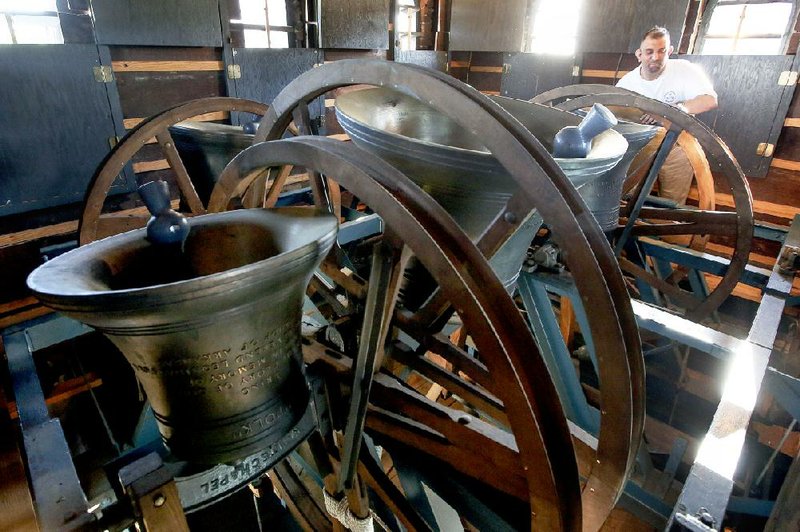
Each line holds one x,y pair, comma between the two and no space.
213,332
454,167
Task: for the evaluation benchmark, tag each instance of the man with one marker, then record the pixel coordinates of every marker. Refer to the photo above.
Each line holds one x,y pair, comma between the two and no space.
675,82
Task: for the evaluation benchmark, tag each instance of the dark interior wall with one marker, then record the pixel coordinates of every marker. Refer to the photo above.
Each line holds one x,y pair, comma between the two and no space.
153,76
618,25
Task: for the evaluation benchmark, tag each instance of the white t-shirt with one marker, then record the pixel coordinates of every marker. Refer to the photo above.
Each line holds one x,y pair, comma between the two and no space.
680,81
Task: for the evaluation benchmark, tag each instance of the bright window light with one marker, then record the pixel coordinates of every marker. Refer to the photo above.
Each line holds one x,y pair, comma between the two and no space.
279,39
255,39
28,6
738,28
406,24
253,11
5,31
277,12
263,14
555,27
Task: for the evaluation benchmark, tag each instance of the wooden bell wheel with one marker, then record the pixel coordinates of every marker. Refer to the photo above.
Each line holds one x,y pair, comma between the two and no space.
510,381
688,226
94,223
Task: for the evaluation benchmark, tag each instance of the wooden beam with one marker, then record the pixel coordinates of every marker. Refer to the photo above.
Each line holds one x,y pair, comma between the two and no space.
592,73
131,123
459,64
490,69
63,391
786,165
16,503
759,207
167,66
791,122
150,166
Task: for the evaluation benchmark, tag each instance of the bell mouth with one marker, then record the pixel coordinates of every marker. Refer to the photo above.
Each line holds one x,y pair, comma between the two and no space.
402,117
222,251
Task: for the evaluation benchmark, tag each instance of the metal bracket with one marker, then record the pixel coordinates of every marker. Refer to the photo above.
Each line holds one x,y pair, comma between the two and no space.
789,259
234,71
765,149
103,74
787,78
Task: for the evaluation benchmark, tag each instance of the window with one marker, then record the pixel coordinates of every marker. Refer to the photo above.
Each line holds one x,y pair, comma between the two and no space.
29,22
264,23
737,27
406,24
555,26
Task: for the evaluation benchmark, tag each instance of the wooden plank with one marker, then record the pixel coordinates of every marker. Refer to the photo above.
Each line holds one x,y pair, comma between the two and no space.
607,74
771,436
160,53
131,123
29,235
16,503
494,69
786,165
759,207
459,64
791,122
150,166
63,391
166,66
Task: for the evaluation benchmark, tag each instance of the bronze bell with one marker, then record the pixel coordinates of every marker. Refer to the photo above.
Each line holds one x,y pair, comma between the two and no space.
213,331
452,165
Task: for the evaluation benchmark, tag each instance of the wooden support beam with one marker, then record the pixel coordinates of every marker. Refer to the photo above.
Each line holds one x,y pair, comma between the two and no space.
63,391
167,66
131,123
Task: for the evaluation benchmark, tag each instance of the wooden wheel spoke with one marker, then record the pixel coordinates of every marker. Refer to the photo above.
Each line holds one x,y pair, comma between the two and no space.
185,184
277,184
468,391
679,296
154,126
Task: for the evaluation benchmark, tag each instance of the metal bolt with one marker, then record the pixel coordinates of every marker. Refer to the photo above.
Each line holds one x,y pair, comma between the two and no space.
510,217
705,517
159,500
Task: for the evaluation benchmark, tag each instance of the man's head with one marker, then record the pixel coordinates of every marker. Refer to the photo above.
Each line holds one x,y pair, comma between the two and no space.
653,52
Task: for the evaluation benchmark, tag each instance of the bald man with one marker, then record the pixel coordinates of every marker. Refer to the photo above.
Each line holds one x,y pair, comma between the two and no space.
675,82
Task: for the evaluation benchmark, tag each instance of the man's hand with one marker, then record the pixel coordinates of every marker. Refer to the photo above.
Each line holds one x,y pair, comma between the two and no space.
650,120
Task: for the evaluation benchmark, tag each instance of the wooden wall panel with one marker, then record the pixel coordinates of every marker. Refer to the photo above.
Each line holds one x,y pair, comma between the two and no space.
749,99
527,75
358,24
57,124
618,25
265,72
425,58
158,22
477,25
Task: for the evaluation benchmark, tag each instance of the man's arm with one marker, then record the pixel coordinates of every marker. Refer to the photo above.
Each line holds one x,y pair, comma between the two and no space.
699,104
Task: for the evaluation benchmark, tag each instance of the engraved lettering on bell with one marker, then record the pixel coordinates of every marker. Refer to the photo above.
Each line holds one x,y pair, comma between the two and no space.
214,337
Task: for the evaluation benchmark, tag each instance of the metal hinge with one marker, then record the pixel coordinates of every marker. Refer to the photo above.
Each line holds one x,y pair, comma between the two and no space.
576,71
765,149
234,71
506,68
787,77
103,74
